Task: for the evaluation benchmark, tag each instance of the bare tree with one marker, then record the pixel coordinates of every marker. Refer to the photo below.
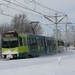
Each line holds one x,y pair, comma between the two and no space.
4,27
20,23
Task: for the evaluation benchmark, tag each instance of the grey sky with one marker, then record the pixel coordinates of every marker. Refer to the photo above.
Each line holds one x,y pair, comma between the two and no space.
63,6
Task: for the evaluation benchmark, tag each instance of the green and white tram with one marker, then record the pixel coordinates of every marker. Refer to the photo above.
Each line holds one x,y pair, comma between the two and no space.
19,45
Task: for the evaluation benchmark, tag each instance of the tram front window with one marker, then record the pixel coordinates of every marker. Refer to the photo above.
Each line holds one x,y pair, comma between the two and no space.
9,42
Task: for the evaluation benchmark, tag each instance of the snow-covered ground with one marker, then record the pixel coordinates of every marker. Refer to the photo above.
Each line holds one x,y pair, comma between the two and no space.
44,65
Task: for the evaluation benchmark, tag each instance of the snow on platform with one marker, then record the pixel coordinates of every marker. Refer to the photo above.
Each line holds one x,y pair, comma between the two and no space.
46,65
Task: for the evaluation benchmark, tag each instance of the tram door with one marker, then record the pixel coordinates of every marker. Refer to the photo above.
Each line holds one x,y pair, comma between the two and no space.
41,45
32,45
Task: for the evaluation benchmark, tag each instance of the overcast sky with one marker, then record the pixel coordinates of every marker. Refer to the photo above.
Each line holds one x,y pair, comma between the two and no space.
63,6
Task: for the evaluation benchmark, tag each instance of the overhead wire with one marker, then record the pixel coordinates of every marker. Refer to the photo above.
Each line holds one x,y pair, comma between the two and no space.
6,14
24,7
49,9
23,4
69,22
8,2
19,3
46,25
20,10
33,1
52,24
46,7
1,8
28,1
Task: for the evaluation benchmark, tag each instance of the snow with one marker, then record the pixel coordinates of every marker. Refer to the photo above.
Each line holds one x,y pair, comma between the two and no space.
44,65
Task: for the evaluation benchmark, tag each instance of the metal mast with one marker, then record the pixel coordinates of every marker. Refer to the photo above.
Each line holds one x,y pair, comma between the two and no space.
56,22
66,35
56,31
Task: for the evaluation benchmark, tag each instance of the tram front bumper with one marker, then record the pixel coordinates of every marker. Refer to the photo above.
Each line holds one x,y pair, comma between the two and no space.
10,54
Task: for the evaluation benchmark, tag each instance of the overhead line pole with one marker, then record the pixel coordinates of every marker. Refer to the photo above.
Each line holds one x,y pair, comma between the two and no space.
66,35
73,36
56,27
56,31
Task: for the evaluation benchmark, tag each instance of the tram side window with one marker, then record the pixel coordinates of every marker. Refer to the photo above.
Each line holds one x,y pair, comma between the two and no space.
33,42
48,42
24,41
28,41
20,40
53,43
41,42
60,43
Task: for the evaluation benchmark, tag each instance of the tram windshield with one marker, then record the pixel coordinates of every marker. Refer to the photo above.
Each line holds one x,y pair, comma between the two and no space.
9,42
